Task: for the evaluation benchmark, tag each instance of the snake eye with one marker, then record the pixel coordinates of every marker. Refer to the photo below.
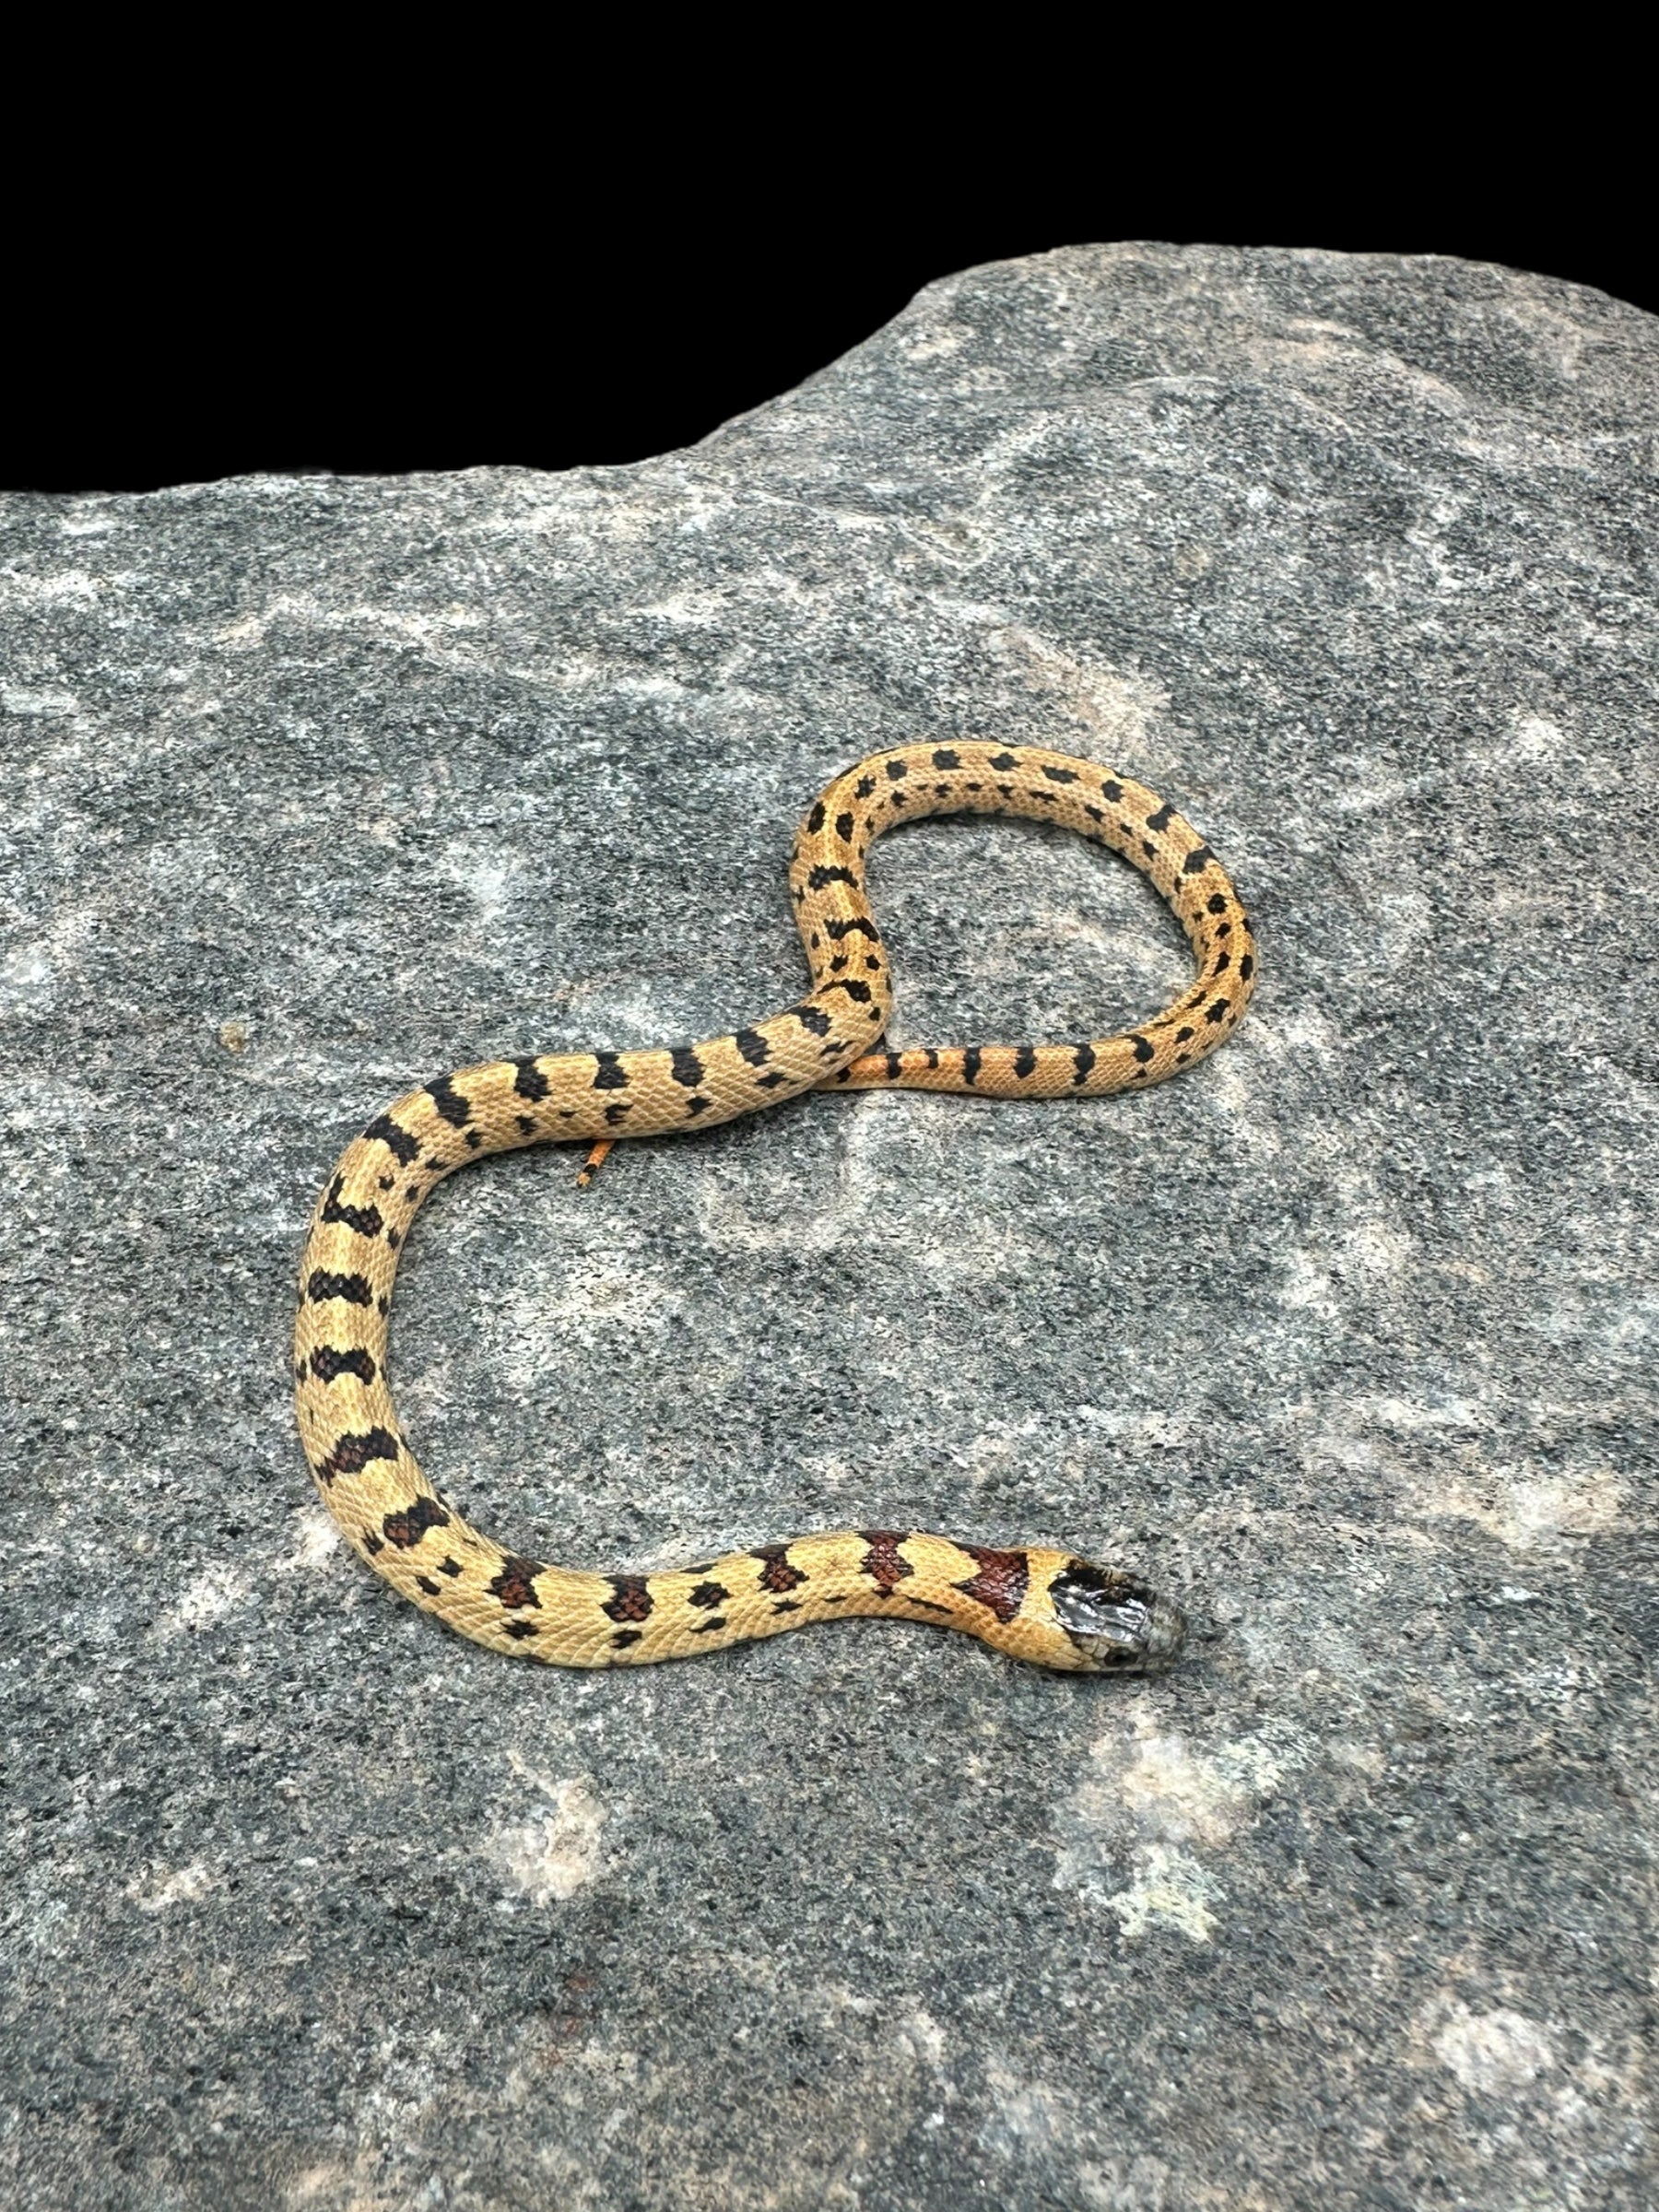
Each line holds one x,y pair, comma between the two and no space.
1118,1621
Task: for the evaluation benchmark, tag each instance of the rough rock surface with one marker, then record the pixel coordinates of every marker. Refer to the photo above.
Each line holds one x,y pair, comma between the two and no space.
314,787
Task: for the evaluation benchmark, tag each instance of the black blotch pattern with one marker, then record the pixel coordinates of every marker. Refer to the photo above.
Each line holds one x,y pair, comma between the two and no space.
516,1584
528,1081
354,1288
1162,818
753,1047
778,1571
1003,762
1217,903
705,1627
863,787
707,1594
945,758
519,1629
1025,1060
403,1145
425,1582
1217,1011
1197,861
843,828
631,1599
1111,790
814,820
351,1455
685,1066
365,1219
527,1123
856,990
448,1102
616,1113
1001,1581
1083,1059
1144,1048
882,1562
836,931
813,1019
1060,776
1247,967
821,878
624,1637
610,1075
970,1063
326,1363
406,1529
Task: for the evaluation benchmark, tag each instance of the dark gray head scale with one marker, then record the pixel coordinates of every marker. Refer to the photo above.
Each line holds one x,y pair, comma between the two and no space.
1119,1623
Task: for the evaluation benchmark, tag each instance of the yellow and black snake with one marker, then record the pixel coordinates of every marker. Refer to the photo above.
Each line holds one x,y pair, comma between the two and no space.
1049,1606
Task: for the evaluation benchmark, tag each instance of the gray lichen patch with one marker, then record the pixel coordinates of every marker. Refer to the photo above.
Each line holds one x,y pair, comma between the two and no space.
315,787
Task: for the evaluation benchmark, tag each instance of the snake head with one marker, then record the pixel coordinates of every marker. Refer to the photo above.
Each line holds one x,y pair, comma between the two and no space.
1120,1624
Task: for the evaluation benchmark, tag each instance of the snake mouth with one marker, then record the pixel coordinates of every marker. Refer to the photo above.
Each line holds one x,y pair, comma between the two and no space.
1119,1624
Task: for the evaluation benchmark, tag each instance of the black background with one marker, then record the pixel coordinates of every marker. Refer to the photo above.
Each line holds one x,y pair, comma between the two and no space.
214,307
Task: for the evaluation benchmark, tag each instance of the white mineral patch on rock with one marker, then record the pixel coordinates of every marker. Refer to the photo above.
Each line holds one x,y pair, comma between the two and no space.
206,1598
1152,1803
555,1851
316,1539
183,1887
1497,2053
1169,1889
1526,1507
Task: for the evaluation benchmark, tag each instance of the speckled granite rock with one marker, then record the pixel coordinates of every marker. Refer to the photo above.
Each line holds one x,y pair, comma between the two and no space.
314,787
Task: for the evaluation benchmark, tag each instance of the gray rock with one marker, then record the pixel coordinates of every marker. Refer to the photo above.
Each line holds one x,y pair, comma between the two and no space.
317,786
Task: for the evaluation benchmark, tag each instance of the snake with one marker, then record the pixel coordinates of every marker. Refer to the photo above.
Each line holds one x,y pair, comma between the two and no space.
1054,1607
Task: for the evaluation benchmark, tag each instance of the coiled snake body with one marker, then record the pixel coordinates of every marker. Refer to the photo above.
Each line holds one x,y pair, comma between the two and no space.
1046,1605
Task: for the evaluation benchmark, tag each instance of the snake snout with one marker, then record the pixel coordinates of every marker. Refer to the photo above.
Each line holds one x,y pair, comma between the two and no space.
1119,1623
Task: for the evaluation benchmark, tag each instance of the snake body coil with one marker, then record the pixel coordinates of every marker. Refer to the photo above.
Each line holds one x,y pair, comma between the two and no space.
1049,1606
